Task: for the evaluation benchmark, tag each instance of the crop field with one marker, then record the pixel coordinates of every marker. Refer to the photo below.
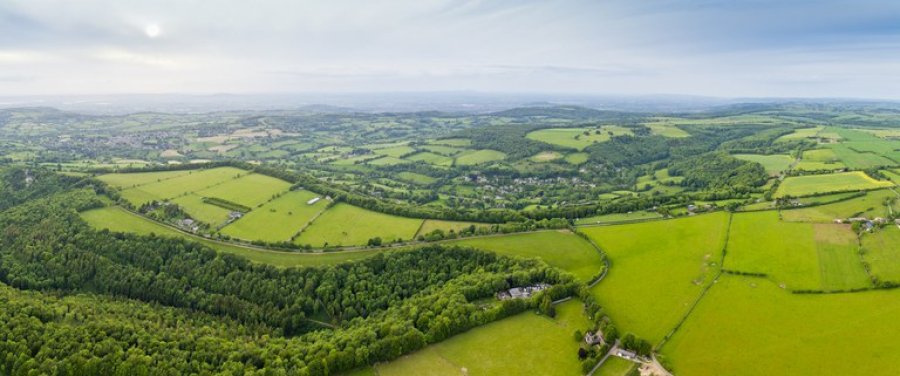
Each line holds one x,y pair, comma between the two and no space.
772,163
561,249
475,157
431,158
250,190
438,224
657,270
347,225
615,366
577,158
278,220
577,138
870,206
524,344
749,326
546,156
117,219
618,217
130,180
796,256
194,181
881,250
199,210
843,181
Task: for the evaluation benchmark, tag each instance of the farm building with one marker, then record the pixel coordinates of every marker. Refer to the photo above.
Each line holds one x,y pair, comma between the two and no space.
313,200
521,292
630,355
593,338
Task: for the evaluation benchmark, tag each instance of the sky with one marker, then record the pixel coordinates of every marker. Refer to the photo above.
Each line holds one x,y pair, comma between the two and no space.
738,48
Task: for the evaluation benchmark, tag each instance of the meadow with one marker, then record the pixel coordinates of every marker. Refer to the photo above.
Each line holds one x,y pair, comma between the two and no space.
666,130
618,217
194,206
546,156
577,158
476,157
577,138
615,366
193,181
749,326
431,158
524,344
859,160
347,225
774,164
870,205
561,249
130,180
657,270
843,181
881,250
250,190
279,219
437,224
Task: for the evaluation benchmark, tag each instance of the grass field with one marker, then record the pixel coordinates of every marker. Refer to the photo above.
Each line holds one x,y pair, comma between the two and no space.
577,158
618,217
431,158
860,160
881,250
870,206
577,138
525,344
117,219
773,164
475,157
199,210
123,181
386,161
802,133
250,190
666,130
546,156
561,249
396,151
277,220
893,175
415,178
657,270
452,142
843,181
194,181
347,225
443,150
797,256
749,326
437,224
615,366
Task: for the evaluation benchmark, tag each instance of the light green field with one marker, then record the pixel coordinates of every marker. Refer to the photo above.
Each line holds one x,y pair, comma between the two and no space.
773,164
117,219
443,150
749,326
396,151
796,256
870,206
546,156
843,181
657,270
820,155
805,165
194,181
577,158
525,344
576,138
250,190
882,253
475,157
855,159
277,220
347,225
415,178
893,175
561,249
124,181
615,366
387,161
819,159
883,133
431,158
197,209
666,130
453,142
801,133
436,224
618,217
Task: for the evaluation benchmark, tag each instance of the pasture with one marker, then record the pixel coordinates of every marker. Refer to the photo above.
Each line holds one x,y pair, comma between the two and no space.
666,129
250,190
278,220
437,224
194,181
524,344
857,159
475,157
194,206
431,158
838,182
577,158
561,249
749,326
657,270
618,217
577,138
870,205
881,250
130,180
347,225
774,164
396,151
546,156
615,366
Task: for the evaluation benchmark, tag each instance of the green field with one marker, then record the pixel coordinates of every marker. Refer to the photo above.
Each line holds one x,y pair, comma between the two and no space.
525,344
475,157
546,156
194,181
801,133
431,158
561,249
796,256
387,161
123,181
117,219
859,160
843,181
881,250
615,366
819,159
893,175
250,190
577,158
870,206
396,151
347,225
194,206
618,217
749,326
453,142
666,130
436,224
442,150
657,270
773,164
415,178
577,138
277,220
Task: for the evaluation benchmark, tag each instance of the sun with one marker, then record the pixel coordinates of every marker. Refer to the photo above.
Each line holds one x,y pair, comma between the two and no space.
152,30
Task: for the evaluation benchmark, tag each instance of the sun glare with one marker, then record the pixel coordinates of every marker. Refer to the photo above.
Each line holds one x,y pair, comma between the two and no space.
152,30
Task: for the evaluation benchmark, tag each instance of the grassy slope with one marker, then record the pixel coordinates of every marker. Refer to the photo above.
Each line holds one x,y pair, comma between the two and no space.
347,225
844,181
871,205
277,220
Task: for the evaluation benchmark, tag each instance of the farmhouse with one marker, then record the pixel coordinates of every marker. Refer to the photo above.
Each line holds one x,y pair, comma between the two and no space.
593,338
313,200
521,292
630,355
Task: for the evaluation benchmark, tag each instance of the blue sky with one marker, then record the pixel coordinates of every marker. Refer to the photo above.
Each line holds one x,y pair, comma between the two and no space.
746,48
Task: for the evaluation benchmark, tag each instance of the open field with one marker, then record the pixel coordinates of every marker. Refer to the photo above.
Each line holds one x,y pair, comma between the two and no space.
870,206
577,158
772,163
117,219
277,220
802,133
857,159
657,270
881,250
893,175
475,157
124,181
749,326
250,190
546,156
615,366
415,178
561,249
396,151
438,224
524,344
843,181
577,138
346,225
796,256
431,158
666,130
453,142
618,217
194,206
194,181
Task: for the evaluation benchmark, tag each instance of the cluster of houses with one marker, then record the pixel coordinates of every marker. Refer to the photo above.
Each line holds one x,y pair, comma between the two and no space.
522,292
867,224
187,224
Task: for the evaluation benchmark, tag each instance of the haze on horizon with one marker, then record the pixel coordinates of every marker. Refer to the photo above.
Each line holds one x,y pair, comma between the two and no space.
746,48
